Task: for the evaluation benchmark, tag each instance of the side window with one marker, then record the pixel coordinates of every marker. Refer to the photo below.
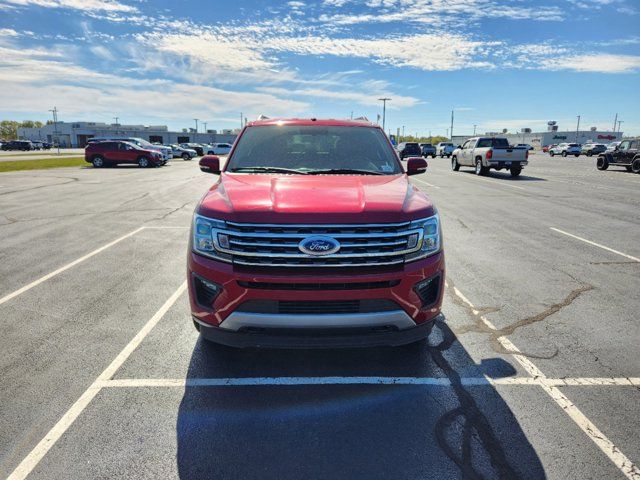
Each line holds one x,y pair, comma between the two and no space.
466,144
624,146
634,145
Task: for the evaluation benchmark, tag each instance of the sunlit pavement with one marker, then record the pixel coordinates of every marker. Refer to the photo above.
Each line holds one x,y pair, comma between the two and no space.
534,372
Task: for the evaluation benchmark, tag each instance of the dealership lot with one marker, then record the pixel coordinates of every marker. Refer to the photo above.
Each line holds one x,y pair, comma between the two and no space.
533,373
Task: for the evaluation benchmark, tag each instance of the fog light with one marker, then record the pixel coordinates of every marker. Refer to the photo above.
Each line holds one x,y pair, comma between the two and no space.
206,292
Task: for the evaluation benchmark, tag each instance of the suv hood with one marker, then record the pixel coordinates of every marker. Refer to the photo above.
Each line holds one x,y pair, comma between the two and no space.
257,198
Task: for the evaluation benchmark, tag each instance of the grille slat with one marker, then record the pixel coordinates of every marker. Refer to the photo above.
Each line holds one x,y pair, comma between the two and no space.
276,245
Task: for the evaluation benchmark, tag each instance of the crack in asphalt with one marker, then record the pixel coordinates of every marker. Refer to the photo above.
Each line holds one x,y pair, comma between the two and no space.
163,217
469,416
495,334
71,180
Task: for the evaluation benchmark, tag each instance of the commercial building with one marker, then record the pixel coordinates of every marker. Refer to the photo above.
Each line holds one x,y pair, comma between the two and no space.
551,136
76,134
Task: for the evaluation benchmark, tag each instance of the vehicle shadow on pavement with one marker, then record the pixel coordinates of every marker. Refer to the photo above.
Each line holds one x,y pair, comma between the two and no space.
507,176
350,430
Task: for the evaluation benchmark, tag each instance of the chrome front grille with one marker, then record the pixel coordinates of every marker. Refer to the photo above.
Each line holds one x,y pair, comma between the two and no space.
276,245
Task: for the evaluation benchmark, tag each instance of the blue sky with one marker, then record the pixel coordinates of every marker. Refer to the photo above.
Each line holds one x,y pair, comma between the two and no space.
498,63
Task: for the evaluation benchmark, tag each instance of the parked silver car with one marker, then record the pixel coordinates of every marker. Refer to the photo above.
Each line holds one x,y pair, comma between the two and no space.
184,153
565,149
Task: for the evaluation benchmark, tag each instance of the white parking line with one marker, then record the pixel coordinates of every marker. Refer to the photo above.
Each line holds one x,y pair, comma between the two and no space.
611,450
30,461
499,184
635,259
426,183
425,381
46,277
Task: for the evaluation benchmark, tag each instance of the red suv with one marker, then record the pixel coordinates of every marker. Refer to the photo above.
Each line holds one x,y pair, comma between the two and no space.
314,237
104,154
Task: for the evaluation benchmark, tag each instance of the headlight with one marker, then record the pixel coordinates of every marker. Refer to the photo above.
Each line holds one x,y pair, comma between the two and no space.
431,237
204,231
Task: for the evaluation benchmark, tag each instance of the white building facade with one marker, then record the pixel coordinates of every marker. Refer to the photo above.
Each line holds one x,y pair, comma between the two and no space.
76,134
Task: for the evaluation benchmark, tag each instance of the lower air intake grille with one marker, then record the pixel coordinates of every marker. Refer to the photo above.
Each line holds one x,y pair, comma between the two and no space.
428,290
313,307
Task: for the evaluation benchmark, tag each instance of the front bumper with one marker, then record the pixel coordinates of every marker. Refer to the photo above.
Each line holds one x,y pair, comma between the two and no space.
227,318
314,338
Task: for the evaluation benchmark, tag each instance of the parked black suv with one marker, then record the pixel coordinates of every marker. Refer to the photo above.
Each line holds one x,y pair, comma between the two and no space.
18,145
627,155
409,149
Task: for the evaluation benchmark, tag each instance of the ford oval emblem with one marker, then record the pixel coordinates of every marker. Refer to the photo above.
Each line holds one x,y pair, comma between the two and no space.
319,245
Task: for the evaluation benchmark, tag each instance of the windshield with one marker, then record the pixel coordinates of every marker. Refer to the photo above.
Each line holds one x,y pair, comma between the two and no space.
303,149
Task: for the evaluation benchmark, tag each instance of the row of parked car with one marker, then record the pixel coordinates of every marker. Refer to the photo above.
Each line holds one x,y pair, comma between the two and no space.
111,151
24,145
589,149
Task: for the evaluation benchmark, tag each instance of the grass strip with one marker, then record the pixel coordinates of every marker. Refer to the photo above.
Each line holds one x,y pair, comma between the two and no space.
45,163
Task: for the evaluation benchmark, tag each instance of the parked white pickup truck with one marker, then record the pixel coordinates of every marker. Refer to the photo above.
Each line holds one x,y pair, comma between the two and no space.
485,153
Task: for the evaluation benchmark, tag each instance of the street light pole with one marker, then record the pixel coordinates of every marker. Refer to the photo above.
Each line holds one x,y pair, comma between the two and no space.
474,130
55,127
117,124
619,122
577,128
196,132
384,110
452,125
403,133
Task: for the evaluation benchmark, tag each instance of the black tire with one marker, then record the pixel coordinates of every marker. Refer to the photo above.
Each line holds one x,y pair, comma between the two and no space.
197,325
480,170
577,155
628,167
602,163
515,171
455,166
635,165
433,156
589,153
551,154
97,161
143,162
186,156
564,154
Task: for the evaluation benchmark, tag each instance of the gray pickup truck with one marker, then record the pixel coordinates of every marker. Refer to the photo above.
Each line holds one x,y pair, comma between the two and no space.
486,153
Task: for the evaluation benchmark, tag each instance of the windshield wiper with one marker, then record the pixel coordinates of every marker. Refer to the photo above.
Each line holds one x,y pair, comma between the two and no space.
268,170
344,171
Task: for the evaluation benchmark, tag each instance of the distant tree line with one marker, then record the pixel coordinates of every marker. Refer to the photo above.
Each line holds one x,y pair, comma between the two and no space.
9,128
433,140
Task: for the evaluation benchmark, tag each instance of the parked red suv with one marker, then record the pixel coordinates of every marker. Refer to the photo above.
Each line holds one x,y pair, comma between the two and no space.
104,154
314,237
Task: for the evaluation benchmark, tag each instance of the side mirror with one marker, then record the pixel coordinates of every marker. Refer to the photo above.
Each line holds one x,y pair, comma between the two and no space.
416,165
210,164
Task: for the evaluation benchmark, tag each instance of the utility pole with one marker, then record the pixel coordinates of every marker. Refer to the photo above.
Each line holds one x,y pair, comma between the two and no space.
403,133
205,126
241,120
447,133
577,128
615,121
384,110
452,125
55,127
196,133
117,124
351,114
619,122
474,130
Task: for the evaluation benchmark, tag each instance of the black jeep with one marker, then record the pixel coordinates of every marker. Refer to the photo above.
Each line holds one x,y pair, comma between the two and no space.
627,155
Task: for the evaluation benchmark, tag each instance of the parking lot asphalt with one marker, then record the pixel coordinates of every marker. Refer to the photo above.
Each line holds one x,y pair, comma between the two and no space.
532,373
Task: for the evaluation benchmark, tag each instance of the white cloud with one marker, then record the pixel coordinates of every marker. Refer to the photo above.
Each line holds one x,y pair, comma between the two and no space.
594,62
367,98
86,5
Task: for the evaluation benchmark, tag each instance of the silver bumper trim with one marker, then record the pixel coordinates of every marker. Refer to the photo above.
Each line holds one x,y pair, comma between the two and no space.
396,318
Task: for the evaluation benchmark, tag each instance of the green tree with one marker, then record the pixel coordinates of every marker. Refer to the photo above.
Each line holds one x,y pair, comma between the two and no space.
9,129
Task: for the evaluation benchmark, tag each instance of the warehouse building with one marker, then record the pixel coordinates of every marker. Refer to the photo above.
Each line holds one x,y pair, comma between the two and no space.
76,134
551,136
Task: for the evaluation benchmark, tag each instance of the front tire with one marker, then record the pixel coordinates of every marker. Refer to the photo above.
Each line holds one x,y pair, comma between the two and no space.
455,166
551,154
564,154
186,156
98,161
635,166
143,162
602,163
